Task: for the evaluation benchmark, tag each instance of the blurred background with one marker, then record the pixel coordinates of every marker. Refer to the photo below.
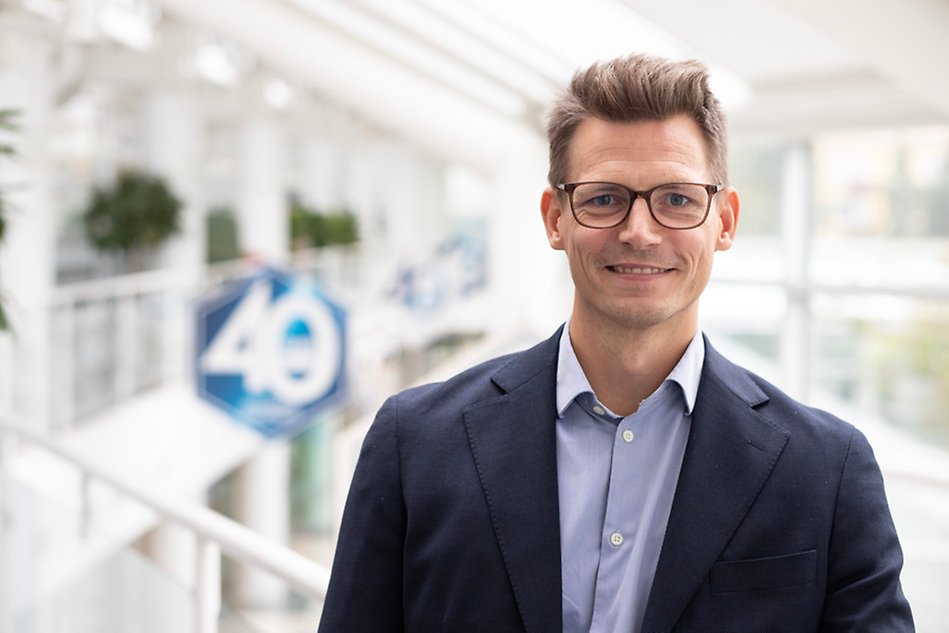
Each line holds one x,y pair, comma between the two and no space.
389,156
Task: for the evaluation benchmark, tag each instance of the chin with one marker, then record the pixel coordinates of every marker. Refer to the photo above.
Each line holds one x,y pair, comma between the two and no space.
635,315
637,319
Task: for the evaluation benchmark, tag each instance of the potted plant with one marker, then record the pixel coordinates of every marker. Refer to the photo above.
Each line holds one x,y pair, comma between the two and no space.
132,216
312,229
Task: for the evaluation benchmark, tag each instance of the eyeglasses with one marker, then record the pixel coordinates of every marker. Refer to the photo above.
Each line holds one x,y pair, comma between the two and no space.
603,205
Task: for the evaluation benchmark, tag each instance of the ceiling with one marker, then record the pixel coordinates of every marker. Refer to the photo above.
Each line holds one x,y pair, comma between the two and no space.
818,64
468,78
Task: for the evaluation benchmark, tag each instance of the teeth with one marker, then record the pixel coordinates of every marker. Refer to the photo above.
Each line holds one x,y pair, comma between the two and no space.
638,271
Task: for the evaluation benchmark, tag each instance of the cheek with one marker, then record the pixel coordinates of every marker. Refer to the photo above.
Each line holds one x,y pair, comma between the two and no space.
703,260
702,246
581,257
583,252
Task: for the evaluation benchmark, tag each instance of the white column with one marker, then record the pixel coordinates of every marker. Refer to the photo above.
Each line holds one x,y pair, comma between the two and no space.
175,550
175,151
360,186
262,213
6,569
409,187
321,184
264,485
207,590
264,504
27,254
796,202
529,280
27,276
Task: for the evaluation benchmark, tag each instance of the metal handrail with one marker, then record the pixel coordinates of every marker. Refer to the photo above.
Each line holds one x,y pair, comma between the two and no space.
215,533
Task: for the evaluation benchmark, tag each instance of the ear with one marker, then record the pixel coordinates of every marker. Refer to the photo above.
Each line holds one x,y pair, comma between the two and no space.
552,211
728,215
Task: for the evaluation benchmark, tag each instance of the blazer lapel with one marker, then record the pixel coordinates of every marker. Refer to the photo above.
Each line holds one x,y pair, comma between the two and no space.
513,440
730,454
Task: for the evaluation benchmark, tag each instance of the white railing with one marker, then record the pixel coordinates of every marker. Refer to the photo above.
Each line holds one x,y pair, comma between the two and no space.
115,337
118,336
216,535
103,330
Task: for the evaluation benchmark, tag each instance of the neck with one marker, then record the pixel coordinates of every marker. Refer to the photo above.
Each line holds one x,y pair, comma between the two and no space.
625,365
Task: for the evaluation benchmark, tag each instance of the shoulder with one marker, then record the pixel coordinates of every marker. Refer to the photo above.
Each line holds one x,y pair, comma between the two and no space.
469,386
480,383
775,405
488,379
811,445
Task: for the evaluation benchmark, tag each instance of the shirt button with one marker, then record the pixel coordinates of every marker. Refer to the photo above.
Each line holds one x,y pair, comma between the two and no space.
628,436
599,410
616,539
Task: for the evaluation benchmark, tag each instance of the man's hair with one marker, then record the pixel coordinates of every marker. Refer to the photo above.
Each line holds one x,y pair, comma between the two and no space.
638,88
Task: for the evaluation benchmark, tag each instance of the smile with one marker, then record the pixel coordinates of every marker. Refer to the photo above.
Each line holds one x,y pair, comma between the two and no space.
636,270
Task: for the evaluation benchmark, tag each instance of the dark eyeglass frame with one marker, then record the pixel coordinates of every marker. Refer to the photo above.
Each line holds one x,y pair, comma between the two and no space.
646,195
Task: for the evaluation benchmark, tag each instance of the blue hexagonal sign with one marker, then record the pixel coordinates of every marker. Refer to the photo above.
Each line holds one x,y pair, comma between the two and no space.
271,351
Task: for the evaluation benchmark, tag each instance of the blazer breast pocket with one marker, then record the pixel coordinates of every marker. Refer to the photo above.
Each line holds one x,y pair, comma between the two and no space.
764,573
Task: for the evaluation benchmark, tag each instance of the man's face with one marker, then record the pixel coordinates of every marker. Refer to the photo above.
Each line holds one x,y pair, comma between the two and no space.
639,274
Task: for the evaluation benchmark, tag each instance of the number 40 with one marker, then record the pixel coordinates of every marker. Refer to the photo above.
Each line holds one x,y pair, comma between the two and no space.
256,343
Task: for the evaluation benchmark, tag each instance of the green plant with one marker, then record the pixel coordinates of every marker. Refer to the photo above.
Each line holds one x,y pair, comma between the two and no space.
311,229
133,215
7,124
222,238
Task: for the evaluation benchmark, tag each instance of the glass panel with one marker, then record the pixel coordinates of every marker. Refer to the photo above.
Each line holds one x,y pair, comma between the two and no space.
755,169
300,615
231,621
889,355
95,348
881,221
112,347
126,592
150,316
311,477
874,262
753,258
747,314
892,183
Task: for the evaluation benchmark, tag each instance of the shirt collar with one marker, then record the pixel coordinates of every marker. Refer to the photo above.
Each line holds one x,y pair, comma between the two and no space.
571,381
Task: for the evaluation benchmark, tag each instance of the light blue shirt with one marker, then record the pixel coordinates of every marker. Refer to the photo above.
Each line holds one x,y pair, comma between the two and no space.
616,479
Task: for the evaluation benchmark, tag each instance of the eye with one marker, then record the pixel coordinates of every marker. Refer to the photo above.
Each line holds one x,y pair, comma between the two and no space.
677,200
599,197
603,200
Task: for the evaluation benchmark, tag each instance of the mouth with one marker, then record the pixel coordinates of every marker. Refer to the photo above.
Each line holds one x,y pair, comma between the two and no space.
637,270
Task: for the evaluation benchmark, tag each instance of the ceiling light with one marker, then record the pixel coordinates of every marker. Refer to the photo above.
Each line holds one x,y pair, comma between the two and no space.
214,64
128,22
278,94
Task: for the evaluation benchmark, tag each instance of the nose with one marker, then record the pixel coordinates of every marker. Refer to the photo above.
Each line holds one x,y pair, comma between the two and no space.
640,229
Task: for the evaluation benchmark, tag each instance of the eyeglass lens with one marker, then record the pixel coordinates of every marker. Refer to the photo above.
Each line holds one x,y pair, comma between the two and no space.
674,205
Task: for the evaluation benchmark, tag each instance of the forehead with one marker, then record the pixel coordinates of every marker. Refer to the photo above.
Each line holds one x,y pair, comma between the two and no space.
640,151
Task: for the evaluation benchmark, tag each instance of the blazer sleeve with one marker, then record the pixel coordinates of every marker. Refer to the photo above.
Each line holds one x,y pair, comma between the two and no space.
864,559
365,590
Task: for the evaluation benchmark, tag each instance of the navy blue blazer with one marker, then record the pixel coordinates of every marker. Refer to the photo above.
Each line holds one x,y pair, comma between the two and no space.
779,522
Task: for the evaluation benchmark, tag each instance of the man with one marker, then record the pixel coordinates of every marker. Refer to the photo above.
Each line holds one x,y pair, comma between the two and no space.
621,476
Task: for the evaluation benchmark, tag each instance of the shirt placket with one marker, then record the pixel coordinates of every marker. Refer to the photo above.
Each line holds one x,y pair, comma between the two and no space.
618,539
